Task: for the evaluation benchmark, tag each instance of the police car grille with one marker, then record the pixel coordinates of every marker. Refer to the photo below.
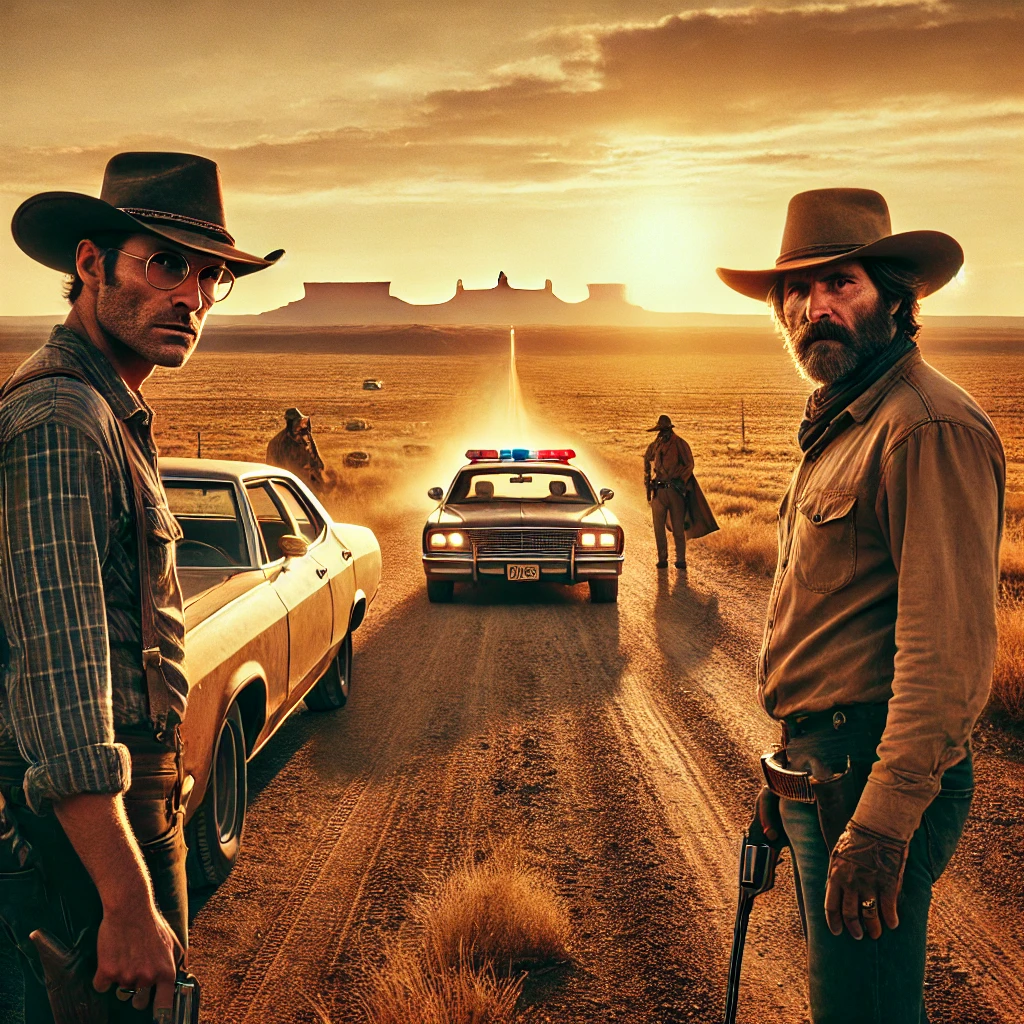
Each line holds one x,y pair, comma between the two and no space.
523,542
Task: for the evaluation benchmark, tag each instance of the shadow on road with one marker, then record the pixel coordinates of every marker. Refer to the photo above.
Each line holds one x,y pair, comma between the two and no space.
687,621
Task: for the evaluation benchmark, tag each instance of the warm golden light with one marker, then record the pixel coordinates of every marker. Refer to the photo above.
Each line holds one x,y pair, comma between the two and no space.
421,155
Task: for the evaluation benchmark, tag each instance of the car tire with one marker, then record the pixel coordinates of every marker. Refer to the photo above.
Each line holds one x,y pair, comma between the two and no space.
440,591
215,832
604,591
332,690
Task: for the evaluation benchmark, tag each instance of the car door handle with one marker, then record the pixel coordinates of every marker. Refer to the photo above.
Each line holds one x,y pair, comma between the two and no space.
321,573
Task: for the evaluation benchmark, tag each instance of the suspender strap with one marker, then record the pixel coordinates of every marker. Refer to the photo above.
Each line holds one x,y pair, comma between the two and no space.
159,703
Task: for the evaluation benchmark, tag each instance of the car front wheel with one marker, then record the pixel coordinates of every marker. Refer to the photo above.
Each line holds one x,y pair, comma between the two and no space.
215,831
332,690
604,591
440,591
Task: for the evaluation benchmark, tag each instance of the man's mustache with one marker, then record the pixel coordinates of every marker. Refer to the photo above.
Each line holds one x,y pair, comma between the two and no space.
822,330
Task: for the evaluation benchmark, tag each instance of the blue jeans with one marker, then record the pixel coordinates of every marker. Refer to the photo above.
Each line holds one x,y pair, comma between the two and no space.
867,981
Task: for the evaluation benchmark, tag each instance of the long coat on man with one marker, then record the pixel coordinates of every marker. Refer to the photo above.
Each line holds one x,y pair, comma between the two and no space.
670,459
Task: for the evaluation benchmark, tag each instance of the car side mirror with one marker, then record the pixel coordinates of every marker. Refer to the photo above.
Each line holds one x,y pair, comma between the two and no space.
607,494
292,546
435,493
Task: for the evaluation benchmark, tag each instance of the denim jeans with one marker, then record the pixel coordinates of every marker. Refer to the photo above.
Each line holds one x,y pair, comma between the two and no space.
868,981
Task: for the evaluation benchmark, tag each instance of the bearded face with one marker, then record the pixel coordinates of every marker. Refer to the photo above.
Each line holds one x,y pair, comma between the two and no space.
833,322
825,352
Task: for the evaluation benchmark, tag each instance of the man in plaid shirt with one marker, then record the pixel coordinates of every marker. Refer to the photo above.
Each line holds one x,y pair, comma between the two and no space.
90,758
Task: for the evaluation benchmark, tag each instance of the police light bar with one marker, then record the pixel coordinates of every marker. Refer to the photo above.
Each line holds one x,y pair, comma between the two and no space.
520,454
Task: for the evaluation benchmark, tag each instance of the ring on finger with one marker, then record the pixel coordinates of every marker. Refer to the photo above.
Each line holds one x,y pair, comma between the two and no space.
124,994
869,908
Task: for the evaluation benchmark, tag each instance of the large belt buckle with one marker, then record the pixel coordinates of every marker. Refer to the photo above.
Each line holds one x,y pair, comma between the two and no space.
785,782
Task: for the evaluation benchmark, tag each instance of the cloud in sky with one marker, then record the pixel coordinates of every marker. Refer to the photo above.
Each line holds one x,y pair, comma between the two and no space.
730,105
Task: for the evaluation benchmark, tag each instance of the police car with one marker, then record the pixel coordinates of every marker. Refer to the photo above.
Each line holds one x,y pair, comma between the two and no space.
525,516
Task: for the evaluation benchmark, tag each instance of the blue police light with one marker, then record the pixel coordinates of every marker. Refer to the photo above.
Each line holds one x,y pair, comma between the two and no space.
520,454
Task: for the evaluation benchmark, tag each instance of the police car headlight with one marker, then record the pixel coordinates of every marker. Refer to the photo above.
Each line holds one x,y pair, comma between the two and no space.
588,540
456,540
608,540
438,540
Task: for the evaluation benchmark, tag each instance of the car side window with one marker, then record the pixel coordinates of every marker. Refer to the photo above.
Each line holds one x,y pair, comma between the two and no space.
306,519
273,526
210,522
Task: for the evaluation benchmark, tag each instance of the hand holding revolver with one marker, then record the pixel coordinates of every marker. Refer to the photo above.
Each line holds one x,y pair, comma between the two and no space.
865,875
136,950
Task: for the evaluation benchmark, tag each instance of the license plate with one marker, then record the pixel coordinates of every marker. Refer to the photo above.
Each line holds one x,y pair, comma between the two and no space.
523,572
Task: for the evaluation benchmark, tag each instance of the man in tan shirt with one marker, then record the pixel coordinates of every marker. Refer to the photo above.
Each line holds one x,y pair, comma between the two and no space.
880,636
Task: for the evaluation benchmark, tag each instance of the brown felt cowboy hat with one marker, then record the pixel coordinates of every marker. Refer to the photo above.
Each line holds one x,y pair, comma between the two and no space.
176,196
830,225
664,423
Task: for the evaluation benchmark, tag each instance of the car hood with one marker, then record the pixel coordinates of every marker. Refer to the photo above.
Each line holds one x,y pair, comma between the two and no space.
498,514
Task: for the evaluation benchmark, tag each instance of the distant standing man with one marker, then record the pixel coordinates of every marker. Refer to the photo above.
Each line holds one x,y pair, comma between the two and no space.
294,449
674,493
94,689
881,631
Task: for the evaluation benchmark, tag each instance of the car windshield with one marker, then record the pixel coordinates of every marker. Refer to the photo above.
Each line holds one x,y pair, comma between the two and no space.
558,485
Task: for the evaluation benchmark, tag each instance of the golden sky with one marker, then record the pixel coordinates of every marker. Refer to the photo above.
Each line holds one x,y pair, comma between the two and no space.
420,141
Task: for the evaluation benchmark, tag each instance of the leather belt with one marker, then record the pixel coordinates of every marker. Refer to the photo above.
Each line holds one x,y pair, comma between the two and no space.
872,716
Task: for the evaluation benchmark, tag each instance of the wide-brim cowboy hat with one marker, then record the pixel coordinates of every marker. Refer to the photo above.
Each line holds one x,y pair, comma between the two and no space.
664,423
176,196
832,225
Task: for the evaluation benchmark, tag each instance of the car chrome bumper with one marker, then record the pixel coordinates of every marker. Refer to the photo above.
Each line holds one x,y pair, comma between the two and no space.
575,569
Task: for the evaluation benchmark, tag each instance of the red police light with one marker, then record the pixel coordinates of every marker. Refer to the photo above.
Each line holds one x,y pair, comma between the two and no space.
556,454
477,454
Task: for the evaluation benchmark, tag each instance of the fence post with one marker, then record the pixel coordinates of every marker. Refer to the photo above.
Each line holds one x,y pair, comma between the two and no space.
199,444
743,427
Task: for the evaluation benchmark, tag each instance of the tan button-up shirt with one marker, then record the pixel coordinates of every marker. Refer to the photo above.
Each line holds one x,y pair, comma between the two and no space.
886,583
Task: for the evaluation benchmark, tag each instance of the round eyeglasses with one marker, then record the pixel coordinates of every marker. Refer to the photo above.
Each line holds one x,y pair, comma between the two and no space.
167,270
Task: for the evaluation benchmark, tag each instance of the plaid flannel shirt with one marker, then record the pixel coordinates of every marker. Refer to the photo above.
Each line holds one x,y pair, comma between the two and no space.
69,604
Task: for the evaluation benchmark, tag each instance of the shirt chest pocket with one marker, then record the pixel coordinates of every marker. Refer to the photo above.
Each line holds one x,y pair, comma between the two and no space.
162,534
825,541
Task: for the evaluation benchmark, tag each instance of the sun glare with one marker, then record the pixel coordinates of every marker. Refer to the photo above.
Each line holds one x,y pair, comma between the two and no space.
661,247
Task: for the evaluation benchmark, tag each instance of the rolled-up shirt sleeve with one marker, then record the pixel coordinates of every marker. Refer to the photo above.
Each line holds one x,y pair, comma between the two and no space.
55,510
942,501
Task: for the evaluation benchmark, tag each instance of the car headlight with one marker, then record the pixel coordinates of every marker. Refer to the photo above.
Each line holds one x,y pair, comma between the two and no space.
608,540
440,540
588,540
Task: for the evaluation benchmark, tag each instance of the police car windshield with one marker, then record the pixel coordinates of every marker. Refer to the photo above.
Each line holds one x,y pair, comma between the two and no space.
557,485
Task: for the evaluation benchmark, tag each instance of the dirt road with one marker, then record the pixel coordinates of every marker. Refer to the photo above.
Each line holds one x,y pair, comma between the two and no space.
616,743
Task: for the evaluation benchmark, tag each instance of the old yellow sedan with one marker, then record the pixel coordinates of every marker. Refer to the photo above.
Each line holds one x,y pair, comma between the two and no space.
273,590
